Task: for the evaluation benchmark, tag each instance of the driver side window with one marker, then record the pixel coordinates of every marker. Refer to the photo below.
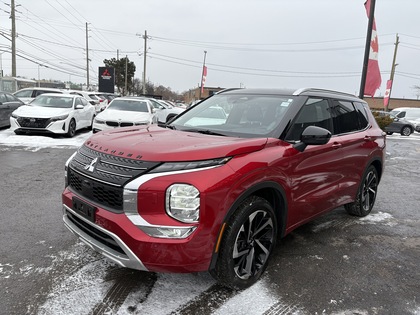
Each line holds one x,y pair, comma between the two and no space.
315,112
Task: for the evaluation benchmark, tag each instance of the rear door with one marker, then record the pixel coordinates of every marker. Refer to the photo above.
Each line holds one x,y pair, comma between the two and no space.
356,143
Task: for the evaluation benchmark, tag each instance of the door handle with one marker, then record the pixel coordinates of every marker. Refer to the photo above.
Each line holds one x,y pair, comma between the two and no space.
336,145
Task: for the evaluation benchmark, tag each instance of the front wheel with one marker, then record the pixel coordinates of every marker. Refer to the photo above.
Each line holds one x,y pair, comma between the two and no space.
248,240
406,131
72,128
366,195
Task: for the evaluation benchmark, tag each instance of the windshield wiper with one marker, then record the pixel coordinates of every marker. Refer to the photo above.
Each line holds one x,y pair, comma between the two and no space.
205,131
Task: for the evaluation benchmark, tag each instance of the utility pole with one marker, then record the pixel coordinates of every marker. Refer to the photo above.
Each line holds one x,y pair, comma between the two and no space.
12,16
144,62
391,77
87,57
126,75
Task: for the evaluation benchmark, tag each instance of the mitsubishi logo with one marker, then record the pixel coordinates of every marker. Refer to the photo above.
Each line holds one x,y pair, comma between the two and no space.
91,167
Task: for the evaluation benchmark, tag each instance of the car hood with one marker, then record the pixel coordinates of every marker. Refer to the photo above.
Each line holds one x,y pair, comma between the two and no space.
159,144
40,112
116,115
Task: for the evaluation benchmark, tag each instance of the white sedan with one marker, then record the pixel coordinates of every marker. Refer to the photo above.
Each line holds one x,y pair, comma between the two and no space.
53,113
124,112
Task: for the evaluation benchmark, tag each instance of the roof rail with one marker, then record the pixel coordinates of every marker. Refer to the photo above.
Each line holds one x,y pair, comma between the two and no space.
303,90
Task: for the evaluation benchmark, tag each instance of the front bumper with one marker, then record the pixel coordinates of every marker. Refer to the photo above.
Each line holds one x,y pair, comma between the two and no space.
56,127
101,240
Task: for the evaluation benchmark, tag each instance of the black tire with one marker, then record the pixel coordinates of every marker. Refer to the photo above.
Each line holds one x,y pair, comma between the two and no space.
366,195
406,131
91,123
169,117
72,129
248,240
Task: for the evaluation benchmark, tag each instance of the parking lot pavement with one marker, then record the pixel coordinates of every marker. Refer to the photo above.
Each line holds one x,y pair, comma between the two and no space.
337,264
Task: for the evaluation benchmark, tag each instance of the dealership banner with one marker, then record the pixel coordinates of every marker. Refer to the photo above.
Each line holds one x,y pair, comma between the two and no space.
106,79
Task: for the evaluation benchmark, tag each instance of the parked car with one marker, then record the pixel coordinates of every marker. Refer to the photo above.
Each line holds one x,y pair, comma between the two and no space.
417,124
92,99
123,112
399,125
191,197
103,98
165,111
27,95
53,113
8,103
411,114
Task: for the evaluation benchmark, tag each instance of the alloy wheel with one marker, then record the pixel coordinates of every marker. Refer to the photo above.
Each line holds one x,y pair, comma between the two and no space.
370,187
253,244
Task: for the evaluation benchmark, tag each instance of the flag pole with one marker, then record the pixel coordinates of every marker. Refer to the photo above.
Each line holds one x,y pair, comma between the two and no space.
367,49
202,74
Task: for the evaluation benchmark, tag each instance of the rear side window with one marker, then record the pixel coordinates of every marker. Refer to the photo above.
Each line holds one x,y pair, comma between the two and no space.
346,117
362,114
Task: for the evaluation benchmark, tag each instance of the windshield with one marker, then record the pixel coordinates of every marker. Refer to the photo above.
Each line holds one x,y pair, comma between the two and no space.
47,100
129,105
235,115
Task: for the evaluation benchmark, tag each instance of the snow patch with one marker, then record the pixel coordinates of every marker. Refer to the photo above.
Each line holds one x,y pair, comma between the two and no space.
380,217
252,301
34,143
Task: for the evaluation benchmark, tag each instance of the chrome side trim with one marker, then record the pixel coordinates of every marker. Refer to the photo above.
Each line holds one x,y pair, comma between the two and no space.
128,261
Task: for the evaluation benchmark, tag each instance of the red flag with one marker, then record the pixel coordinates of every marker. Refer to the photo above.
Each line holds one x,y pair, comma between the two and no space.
387,92
203,79
373,76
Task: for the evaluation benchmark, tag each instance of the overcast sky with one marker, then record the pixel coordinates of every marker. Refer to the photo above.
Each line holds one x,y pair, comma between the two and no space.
251,43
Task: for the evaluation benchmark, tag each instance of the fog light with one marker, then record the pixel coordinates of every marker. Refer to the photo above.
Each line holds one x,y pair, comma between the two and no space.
168,232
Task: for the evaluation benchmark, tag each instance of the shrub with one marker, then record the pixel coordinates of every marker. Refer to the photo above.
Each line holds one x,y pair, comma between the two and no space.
382,120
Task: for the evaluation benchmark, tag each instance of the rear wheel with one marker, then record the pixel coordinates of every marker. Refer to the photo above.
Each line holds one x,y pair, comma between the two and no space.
72,128
247,243
366,195
406,131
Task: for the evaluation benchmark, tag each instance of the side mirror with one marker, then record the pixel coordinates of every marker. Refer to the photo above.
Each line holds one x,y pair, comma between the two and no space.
312,135
79,106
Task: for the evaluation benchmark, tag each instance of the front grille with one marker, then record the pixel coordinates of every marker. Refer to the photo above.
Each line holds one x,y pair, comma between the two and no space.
33,122
100,193
118,123
100,177
95,233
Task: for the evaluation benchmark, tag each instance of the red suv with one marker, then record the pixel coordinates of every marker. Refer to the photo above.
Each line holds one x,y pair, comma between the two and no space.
217,187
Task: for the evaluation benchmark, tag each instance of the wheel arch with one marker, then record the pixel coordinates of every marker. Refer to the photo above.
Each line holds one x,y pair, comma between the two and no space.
378,164
274,194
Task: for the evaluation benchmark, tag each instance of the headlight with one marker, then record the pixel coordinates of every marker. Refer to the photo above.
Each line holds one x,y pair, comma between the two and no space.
180,166
99,121
183,203
62,117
